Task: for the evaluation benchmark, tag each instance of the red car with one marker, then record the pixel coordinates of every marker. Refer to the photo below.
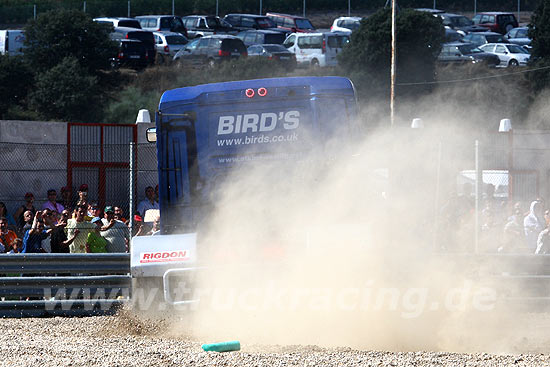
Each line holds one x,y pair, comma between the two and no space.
496,21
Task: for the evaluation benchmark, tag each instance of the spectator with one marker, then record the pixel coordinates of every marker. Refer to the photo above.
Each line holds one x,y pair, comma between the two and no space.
138,226
82,195
533,224
95,243
59,242
28,216
32,241
94,210
67,198
50,221
29,200
4,213
52,203
78,228
513,239
119,215
155,230
543,242
148,203
7,237
118,235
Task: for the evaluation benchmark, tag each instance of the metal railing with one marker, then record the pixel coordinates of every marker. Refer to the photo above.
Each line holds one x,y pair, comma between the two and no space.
63,284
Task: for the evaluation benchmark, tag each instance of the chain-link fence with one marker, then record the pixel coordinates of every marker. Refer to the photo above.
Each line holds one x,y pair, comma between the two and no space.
106,170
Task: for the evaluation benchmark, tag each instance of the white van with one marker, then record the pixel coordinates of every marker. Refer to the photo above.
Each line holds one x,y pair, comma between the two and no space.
316,49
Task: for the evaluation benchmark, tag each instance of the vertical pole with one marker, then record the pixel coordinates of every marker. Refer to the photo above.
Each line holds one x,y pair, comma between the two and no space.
519,11
132,186
84,7
260,8
436,201
304,9
349,8
434,4
173,8
477,194
128,8
392,81
217,7
510,164
475,7
34,11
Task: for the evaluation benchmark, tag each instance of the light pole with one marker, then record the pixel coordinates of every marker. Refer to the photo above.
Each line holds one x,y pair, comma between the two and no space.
304,9
393,56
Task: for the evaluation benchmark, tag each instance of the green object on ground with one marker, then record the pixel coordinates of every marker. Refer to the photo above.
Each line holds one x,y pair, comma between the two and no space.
222,347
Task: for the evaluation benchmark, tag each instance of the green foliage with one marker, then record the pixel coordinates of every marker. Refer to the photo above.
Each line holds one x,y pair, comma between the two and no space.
539,31
367,58
124,109
16,78
56,35
67,92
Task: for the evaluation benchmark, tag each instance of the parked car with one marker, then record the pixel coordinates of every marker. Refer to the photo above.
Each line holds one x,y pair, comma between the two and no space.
167,44
243,22
120,22
509,54
481,38
519,36
210,50
131,53
162,23
499,22
274,52
460,23
138,34
466,53
430,10
346,24
316,49
291,23
206,25
261,36
452,36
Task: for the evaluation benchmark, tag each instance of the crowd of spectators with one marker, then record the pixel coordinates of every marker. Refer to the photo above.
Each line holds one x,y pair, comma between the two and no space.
64,225
505,226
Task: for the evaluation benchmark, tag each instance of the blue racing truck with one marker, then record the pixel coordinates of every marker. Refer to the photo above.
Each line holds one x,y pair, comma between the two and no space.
205,132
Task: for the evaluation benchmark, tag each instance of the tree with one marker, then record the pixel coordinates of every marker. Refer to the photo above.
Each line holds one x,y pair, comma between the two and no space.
539,32
66,92
58,34
368,57
16,78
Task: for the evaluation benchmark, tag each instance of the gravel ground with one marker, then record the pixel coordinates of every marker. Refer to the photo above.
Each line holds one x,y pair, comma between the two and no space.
125,341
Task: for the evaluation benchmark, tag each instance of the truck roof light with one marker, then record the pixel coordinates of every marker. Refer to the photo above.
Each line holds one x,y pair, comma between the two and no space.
262,92
249,92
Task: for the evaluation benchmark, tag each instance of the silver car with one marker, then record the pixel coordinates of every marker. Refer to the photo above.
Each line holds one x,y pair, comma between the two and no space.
509,54
167,44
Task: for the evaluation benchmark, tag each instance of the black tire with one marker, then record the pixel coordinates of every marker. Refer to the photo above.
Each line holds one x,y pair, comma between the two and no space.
513,63
315,63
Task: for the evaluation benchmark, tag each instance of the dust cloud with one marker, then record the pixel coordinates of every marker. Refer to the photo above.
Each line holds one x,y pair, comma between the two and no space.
347,249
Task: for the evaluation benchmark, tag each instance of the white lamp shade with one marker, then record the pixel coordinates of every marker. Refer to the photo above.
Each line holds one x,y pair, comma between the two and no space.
505,125
143,117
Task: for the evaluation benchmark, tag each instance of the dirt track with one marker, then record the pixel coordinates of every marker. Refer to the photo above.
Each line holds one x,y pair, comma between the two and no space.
123,341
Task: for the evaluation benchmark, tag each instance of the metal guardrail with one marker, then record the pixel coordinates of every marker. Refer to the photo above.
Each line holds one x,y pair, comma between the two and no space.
63,284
